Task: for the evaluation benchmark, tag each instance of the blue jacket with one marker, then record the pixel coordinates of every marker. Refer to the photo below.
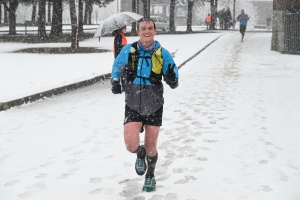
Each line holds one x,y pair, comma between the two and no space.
141,95
243,18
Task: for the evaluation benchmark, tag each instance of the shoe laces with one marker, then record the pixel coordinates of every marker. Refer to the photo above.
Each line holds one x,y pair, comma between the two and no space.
148,181
140,162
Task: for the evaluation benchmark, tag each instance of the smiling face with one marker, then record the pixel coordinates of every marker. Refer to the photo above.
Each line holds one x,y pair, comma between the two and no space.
146,31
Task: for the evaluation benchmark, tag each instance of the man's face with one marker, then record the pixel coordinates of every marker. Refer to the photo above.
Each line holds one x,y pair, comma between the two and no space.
146,31
242,11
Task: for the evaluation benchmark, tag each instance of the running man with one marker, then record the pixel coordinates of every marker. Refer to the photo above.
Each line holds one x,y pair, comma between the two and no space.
139,70
243,19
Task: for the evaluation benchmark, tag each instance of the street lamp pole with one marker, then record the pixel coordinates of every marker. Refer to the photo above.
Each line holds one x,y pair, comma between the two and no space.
77,24
118,8
233,20
148,8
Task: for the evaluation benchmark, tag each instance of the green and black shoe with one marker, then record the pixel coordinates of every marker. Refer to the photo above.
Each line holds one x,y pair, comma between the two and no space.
140,166
149,185
140,163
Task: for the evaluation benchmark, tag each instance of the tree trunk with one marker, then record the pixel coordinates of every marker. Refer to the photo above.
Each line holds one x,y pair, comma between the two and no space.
5,16
33,14
13,5
146,8
56,28
133,29
172,14
213,8
0,13
42,19
137,6
90,13
85,14
49,12
190,16
73,23
80,17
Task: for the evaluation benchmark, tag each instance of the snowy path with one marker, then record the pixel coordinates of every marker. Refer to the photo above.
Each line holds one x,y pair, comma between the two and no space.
230,131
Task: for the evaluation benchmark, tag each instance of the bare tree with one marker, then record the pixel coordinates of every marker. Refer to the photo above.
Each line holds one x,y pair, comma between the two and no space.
56,28
49,11
5,15
0,13
214,15
33,14
172,16
74,42
13,5
146,8
190,16
88,11
134,9
42,19
80,17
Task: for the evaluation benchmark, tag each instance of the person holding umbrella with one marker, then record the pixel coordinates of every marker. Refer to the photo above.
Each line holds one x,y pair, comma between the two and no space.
139,69
120,40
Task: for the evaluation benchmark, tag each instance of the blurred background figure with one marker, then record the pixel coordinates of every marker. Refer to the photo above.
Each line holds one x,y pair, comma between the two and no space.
268,22
120,40
243,19
227,19
208,21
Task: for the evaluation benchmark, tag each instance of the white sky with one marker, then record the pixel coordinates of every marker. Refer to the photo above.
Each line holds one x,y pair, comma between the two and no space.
230,130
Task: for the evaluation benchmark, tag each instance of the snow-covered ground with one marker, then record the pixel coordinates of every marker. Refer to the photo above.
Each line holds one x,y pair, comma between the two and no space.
230,130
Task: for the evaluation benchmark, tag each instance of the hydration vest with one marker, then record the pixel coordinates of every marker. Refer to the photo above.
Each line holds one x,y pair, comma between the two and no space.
157,62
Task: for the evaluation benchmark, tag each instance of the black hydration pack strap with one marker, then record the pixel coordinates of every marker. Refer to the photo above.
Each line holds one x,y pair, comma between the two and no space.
133,63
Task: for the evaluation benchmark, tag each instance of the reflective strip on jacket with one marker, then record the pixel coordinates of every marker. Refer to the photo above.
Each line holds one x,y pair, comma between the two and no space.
141,95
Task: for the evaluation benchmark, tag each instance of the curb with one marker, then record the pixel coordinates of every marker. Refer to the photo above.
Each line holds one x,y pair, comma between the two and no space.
193,56
74,86
52,92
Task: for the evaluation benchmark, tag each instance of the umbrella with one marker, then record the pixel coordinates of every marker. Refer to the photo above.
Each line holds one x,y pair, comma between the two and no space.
115,22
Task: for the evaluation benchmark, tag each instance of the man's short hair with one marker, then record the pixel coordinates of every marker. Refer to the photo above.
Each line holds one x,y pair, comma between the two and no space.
144,19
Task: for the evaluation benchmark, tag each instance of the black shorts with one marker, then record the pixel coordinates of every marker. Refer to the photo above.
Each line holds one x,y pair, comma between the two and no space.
242,29
133,116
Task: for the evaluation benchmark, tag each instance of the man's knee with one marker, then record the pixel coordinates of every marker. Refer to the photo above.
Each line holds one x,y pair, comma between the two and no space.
132,147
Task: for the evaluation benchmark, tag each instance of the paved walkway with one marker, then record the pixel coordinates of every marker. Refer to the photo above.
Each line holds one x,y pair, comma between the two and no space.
230,131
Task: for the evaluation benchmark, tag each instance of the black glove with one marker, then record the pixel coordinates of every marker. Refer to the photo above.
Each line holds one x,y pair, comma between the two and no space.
127,75
170,74
116,87
170,77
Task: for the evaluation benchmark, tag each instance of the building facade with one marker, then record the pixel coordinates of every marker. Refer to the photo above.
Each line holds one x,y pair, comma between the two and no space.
263,9
162,8
286,26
